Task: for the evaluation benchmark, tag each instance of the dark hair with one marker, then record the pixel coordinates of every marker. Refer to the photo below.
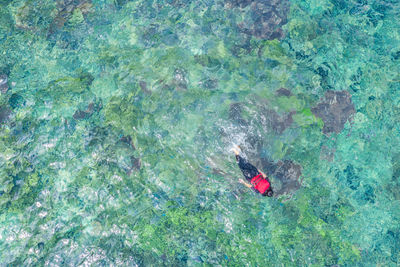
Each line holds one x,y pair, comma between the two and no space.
270,193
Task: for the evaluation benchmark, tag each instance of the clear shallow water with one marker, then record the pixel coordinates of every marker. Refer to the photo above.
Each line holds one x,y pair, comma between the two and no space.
119,116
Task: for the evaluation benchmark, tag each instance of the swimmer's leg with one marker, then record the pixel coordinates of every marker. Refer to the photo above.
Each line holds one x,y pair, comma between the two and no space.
236,150
248,170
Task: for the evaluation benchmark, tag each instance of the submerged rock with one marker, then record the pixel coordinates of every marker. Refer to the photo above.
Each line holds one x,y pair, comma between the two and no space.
334,110
80,115
84,114
66,10
3,83
283,92
279,123
4,114
286,171
120,3
239,3
267,17
23,17
143,87
136,163
128,140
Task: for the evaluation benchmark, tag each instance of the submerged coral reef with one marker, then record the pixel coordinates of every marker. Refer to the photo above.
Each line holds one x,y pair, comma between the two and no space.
334,110
117,116
264,18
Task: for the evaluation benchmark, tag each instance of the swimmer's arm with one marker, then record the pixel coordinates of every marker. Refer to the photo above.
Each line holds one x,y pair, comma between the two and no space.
263,174
246,184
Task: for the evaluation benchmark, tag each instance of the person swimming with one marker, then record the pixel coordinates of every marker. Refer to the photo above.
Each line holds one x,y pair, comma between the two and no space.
258,180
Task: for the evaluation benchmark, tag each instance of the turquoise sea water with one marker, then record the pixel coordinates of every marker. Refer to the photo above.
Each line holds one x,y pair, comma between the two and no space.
117,118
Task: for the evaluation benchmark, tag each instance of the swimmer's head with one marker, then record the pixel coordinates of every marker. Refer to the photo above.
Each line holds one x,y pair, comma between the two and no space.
269,193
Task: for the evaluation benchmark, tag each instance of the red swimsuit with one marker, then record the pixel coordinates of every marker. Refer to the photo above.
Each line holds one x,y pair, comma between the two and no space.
260,184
